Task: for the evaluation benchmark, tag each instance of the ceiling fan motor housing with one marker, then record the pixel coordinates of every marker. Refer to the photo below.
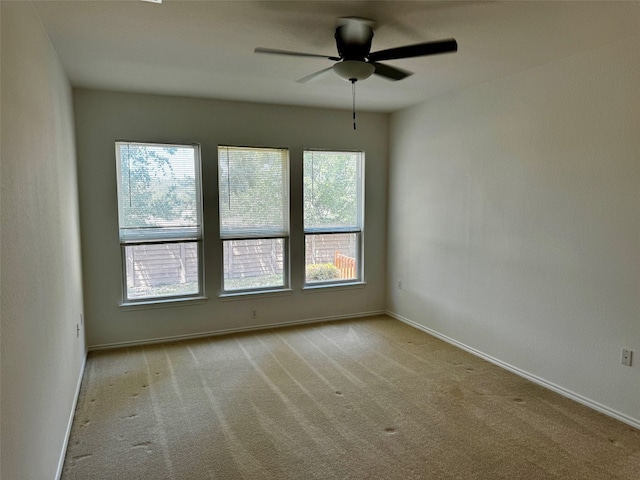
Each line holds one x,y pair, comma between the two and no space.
354,47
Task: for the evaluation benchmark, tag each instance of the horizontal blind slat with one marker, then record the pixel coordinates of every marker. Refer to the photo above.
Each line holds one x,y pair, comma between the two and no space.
143,235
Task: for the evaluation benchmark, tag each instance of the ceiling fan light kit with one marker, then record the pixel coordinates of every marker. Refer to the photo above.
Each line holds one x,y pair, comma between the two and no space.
356,62
354,70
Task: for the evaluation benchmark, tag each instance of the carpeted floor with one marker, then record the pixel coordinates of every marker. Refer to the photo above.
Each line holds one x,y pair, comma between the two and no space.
358,399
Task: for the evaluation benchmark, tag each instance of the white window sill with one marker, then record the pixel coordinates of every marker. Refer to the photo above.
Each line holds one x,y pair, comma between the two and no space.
230,297
163,303
323,287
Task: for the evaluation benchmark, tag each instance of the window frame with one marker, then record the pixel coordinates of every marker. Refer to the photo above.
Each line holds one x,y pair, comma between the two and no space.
358,230
197,238
285,235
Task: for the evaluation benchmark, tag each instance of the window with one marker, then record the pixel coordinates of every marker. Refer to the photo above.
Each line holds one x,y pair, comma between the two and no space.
160,220
333,216
254,217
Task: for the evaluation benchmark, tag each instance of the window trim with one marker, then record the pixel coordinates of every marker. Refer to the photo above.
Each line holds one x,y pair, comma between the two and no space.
358,230
247,234
164,298
197,238
338,282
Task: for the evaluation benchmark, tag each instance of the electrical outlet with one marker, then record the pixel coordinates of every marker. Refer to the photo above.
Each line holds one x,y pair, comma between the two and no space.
77,330
399,284
626,357
254,313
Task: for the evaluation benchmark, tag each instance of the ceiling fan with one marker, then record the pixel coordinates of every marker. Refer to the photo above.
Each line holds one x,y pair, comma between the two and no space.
355,60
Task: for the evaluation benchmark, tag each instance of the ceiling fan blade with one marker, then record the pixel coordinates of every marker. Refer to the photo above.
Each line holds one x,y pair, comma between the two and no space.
315,75
418,50
392,73
295,54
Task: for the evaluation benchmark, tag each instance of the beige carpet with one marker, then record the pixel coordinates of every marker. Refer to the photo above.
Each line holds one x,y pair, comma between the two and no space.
358,399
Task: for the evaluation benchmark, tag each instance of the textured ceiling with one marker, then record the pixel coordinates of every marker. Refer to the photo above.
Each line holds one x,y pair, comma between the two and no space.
205,48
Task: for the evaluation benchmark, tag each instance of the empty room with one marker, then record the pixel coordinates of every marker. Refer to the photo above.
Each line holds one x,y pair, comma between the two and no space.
319,239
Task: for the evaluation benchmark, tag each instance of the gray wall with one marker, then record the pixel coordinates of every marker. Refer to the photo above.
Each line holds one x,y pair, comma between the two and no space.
515,222
104,117
42,356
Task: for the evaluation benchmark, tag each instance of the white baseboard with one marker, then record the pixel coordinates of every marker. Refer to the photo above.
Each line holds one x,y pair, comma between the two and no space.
533,378
70,421
107,346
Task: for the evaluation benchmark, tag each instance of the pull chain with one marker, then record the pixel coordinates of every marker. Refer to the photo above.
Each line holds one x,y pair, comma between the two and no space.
353,94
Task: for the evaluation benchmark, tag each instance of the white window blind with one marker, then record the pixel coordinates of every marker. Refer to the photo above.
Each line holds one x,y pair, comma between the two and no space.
332,191
253,192
158,192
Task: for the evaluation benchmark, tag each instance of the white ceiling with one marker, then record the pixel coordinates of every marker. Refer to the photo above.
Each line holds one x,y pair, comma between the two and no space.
205,48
